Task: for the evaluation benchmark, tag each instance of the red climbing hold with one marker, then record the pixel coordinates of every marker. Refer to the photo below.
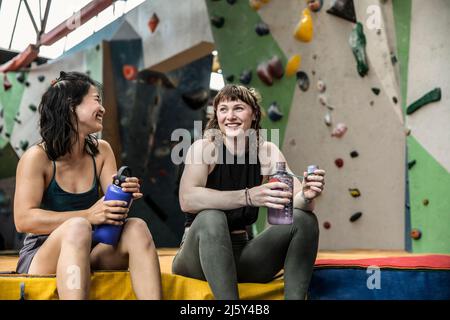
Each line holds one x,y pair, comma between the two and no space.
276,68
416,234
339,162
153,22
129,72
6,84
263,73
327,225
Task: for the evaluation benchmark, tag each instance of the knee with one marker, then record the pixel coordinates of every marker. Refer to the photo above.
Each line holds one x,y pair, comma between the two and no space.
211,222
77,231
136,232
307,222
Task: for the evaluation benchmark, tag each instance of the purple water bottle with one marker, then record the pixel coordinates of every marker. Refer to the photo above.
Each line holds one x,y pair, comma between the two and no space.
108,233
285,215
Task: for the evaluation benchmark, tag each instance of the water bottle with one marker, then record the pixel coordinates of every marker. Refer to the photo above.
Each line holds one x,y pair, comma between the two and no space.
285,215
108,233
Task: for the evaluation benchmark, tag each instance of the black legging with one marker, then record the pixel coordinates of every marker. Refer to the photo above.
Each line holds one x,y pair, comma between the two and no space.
209,252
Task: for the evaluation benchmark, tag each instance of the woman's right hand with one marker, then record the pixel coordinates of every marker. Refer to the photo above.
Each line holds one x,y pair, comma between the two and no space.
108,212
271,195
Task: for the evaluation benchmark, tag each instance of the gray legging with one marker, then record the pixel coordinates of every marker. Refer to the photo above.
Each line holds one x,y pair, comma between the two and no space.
209,252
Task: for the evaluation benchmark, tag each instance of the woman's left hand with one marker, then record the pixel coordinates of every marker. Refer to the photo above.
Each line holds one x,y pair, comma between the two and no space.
132,185
312,185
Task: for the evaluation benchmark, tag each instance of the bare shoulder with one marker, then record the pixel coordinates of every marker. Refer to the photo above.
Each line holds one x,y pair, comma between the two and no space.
104,146
202,151
34,160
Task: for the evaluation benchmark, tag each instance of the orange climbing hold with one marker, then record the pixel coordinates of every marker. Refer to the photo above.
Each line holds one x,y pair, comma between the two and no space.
293,65
153,22
129,72
304,29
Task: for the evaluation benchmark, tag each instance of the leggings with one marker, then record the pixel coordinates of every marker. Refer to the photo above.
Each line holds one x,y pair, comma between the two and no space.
210,252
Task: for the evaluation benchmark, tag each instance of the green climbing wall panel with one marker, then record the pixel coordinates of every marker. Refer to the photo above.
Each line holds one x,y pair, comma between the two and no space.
427,179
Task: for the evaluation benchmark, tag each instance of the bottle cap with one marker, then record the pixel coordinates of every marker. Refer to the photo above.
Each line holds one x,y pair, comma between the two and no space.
122,174
311,169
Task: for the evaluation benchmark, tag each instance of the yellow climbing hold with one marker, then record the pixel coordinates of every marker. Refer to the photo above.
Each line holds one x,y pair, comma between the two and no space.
304,29
293,64
255,4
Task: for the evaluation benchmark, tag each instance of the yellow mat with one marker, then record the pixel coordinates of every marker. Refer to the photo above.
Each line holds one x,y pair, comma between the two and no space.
116,285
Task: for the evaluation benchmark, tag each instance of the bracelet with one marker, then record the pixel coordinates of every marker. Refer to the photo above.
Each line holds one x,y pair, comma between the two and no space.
247,193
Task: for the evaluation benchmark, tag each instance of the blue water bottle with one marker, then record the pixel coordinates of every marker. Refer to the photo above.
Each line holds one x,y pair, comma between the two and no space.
108,233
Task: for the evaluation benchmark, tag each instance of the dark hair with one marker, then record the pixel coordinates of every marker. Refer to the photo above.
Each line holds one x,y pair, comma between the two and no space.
233,92
58,122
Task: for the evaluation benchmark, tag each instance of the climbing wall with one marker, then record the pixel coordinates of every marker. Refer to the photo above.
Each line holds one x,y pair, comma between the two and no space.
426,66
369,159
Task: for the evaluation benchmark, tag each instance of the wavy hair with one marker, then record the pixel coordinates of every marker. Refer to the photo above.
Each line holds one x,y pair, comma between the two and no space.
58,122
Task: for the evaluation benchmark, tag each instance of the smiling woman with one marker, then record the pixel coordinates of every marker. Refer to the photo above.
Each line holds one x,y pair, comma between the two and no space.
57,201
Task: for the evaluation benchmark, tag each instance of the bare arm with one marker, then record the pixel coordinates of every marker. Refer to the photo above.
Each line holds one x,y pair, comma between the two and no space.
30,186
193,194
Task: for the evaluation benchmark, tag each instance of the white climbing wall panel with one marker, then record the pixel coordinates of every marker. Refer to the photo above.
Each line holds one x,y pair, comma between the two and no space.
375,129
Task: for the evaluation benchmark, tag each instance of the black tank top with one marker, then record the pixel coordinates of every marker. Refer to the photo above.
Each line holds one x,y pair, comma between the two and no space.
229,177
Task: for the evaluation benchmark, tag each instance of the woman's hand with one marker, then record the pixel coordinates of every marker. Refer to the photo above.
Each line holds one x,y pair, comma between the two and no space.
312,185
132,185
109,212
271,195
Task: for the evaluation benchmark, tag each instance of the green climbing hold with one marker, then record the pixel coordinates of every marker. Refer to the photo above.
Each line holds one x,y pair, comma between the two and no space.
357,42
376,91
432,96
32,107
355,216
23,145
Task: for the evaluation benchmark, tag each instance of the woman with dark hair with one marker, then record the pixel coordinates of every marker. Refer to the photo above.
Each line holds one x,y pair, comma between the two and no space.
221,199
57,200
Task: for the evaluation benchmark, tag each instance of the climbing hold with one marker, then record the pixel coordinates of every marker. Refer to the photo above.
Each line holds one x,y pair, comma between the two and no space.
217,21
321,86
339,162
293,65
407,131
393,58
18,121
355,216
425,202
327,118
32,107
354,192
276,67
129,72
416,234
1,128
292,142
327,225
371,103
7,134
231,2
230,78
153,22
27,83
339,130
304,29
255,4
23,145
196,99
21,77
97,47
262,29
6,84
216,64
411,164
315,5
354,154
263,73
246,77
274,112
41,78
376,91
432,96
313,72
395,100
357,41
302,80
343,9
323,99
